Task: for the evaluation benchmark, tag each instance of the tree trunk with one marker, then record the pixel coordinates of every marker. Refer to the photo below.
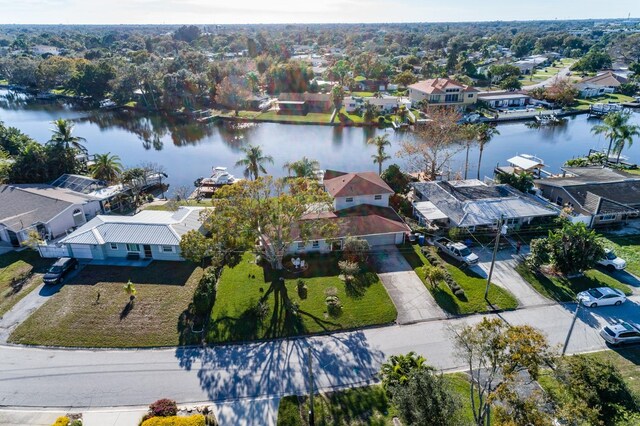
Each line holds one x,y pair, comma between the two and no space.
609,149
466,162
480,159
379,168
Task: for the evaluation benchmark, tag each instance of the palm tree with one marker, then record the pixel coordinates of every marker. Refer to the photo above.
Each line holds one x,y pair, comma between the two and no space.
130,289
611,126
63,135
468,134
304,168
254,161
484,134
433,274
625,136
380,142
369,112
106,167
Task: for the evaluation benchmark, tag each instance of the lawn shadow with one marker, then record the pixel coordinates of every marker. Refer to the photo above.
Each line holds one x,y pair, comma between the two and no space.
232,372
625,278
158,272
356,287
126,310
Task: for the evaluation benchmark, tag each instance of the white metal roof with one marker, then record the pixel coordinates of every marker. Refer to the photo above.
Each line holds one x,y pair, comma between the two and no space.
429,210
525,162
147,227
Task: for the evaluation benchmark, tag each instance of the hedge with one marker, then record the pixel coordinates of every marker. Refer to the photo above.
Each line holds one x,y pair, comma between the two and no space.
193,420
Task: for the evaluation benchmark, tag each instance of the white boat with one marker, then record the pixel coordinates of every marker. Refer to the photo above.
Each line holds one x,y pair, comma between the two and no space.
219,177
107,103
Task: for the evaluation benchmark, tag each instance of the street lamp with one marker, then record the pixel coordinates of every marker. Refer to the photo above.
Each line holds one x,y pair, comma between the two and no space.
502,230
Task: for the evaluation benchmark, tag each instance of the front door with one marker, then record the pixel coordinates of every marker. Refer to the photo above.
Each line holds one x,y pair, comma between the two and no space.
13,237
147,251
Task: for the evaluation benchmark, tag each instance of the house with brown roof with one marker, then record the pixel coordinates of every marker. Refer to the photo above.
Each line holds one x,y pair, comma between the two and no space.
442,91
361,209
304,103
603,83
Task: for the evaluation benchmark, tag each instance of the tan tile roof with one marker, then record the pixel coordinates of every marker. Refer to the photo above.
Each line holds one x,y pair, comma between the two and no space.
608,79
439,85
354,184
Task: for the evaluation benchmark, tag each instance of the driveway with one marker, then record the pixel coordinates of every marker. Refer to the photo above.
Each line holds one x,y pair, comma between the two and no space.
561,75
411,298
505,275
25,307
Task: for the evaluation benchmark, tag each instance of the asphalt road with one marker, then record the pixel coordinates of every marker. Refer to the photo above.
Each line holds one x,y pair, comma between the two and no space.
32,377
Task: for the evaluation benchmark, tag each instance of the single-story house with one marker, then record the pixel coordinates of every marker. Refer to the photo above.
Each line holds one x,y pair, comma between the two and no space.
370,85
599,195
385,104
360,209
505,99
442,91
472,203
304,103
147,235
601,84
46,209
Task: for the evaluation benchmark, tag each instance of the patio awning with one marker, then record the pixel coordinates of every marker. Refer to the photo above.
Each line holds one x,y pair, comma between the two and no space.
429,211
526,163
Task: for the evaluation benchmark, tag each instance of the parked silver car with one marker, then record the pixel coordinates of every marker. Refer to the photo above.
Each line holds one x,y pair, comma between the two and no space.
601,296
620,333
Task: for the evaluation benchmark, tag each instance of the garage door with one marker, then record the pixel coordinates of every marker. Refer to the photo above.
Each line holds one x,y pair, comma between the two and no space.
81,251
381,240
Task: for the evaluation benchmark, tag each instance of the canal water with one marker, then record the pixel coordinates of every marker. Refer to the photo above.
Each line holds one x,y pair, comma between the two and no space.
188,151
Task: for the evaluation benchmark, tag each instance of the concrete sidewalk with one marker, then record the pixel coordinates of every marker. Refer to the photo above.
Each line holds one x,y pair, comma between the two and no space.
413,301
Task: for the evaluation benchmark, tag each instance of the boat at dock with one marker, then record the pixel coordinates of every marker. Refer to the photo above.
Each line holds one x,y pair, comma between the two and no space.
524,163
205,187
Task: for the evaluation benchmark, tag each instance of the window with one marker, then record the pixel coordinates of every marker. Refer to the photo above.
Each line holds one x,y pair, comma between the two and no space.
608,217
559,201
133,247
470,95
511,221
378,197
301,245
349,200
166,249
114,246
316,244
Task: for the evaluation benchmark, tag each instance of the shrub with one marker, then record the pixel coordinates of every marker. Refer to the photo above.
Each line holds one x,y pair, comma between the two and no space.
164,408
76,422
349,269
61,421
333,305
205,293
261,310
193,420
302,289
460,294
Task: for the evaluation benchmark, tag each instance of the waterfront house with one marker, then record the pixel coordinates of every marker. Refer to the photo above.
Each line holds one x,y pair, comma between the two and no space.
384,104
472,204
46,209
442,91
147,235
595,195
499,100
602,84
303,103
360,209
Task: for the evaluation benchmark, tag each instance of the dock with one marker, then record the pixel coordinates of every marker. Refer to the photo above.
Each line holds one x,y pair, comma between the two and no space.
600,110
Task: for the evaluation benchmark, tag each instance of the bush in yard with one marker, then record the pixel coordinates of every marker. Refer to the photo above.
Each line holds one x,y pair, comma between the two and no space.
193,420
355,250
302,289
61,421
205,293
348,269
596,384
333,301
163,408
574,248
433,274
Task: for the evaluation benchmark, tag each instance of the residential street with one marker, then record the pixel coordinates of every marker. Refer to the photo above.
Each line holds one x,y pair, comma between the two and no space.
32,377
411,298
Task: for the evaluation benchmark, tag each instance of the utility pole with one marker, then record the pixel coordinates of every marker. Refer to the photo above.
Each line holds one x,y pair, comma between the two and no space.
311,413
495,252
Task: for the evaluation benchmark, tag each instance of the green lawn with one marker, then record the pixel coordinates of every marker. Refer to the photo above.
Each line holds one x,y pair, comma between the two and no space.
472,284
189,203
92,309
353,117
14,265
628,248
311,118
565,290
238,316
363,94
359,406
4,82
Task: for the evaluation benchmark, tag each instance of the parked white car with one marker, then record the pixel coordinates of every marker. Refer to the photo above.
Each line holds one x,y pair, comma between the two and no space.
612,262
601,296
621,332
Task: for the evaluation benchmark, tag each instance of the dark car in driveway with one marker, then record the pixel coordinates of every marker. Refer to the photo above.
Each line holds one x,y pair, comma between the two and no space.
59,270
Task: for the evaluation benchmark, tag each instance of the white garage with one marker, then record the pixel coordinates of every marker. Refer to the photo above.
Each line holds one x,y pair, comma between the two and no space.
81,251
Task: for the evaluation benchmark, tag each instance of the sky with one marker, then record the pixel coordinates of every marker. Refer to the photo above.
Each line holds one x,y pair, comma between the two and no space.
303,11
